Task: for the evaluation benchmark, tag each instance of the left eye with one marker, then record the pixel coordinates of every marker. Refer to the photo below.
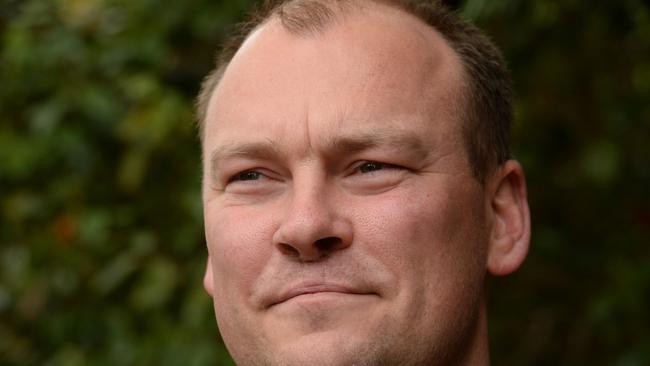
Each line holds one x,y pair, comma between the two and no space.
371,166
372,177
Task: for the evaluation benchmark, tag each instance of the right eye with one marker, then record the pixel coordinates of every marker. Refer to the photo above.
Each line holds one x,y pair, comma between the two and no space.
246,176
253,182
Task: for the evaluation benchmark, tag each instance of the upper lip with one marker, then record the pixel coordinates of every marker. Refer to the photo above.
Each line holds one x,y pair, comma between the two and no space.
312,288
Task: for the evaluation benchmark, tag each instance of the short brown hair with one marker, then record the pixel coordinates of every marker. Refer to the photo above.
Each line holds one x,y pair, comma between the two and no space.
488,115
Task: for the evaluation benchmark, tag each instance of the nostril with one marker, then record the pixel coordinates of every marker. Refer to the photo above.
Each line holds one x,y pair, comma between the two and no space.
328,244
288,250
317,250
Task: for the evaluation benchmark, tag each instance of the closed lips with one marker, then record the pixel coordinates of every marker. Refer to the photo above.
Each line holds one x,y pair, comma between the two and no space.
314,289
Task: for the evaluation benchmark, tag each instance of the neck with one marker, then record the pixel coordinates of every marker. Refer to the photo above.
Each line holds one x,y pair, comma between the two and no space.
478,347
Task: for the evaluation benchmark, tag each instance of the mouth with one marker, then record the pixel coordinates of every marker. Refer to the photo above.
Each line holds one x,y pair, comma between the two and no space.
316,289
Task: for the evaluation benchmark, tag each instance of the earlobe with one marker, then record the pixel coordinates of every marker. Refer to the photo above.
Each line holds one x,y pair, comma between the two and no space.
510,234
208,283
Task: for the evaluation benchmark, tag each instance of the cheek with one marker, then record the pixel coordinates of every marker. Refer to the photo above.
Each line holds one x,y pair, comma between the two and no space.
450,219
432,237
239,243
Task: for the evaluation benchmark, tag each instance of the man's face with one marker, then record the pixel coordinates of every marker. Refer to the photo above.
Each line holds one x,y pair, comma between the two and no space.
342,220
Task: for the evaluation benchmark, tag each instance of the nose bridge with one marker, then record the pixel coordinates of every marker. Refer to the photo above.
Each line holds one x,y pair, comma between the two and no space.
309,211
312,226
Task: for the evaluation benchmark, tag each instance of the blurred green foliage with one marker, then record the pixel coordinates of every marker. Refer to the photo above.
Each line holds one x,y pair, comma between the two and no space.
101,242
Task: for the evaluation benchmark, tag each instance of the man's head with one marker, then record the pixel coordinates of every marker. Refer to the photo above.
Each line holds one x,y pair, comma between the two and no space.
352,210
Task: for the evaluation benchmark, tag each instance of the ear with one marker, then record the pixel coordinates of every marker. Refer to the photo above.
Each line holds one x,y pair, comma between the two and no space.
510,234
208,283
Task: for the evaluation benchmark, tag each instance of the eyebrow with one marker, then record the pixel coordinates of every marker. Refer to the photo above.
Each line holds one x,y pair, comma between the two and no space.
405,141
245,150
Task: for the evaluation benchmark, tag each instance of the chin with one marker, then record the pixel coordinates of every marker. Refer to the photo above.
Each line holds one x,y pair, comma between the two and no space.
329,348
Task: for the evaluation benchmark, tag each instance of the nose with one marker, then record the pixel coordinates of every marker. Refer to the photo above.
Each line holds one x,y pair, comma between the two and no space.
313,226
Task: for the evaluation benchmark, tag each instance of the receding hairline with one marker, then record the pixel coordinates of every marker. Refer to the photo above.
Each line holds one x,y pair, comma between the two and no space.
328,18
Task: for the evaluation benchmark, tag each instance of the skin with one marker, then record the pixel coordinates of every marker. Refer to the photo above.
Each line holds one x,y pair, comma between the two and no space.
342,220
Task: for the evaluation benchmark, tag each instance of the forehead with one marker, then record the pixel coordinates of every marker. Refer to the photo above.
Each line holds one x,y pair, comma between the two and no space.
378,62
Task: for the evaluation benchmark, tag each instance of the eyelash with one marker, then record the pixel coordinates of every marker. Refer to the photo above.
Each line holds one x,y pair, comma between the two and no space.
376,165
238,177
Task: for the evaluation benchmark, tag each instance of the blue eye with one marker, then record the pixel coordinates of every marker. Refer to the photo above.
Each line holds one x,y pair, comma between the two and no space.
247,175
371,166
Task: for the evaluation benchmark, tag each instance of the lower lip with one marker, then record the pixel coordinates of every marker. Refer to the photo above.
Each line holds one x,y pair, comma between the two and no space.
326,297
319,311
